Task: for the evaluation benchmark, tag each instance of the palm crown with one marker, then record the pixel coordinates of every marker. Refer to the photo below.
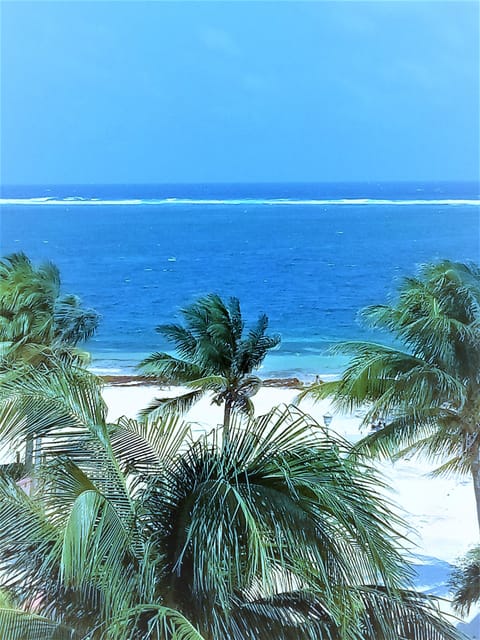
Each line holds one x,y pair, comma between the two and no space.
214,354
39,326
429,392
37,322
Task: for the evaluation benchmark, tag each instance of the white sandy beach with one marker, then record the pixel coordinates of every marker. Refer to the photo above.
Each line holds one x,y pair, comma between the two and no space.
441,511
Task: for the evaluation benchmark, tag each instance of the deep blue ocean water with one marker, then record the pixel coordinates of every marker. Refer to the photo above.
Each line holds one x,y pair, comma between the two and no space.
309,256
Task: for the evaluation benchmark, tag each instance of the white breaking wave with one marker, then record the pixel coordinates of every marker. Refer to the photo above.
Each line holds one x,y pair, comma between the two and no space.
72,201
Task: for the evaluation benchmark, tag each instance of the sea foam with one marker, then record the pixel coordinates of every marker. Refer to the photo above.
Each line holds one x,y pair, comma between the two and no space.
69,201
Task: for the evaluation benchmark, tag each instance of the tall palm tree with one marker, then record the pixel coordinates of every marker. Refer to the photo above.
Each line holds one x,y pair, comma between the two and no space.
214,355
428,393
138,533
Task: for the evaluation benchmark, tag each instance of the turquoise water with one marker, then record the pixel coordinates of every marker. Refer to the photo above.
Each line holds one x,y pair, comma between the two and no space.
309,256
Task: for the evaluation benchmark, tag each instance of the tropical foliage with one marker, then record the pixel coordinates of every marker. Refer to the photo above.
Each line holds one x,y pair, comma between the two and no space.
137,532
37,322
429,392
214,355
465,581
39,326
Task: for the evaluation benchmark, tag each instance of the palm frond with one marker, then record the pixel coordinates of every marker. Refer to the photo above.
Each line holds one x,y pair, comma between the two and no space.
410,615
236,321
146,445
34,405
253,349
73,323
399,436
185,342
97,549
35,318
21,625
426,393
157,621
209,383
179,404
465,581
249,386
169,368
284,616
318,391
29,549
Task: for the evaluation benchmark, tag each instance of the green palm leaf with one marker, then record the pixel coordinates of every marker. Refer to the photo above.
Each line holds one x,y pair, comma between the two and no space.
145,445
465,581
96,541
20,625
177,405
166,367
410,615
162,623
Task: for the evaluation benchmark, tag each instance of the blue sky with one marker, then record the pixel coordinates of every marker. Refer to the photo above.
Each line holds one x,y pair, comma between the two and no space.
161,92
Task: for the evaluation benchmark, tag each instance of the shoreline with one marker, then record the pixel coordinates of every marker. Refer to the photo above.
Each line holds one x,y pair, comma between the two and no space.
131,380
303,365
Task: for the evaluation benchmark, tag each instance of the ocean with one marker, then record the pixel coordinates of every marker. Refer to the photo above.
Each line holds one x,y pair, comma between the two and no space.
309,256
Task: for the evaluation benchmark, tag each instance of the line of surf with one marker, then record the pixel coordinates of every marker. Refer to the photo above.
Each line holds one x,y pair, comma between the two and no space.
73,201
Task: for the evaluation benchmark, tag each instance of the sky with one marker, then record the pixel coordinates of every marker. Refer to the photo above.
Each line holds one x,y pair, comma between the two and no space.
239,91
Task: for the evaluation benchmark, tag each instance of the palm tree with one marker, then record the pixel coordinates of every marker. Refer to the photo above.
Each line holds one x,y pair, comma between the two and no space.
138,533
38,325
428,393
37,322
214,355
73,556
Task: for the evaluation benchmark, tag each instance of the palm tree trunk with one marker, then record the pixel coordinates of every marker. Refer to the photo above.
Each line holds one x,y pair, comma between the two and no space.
227,412
29,445
475,468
